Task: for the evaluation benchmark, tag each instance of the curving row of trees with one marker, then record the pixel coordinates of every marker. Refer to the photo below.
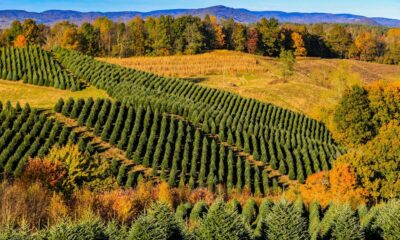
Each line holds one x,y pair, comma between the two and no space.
288,141
26,133
35,66
175,150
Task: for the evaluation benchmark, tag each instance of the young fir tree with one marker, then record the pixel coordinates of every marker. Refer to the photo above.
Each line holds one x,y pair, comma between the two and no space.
285,222
222,223
203,162
115,134
105,134
59,105
76,109
239,174
388,220
221,164
314,220
229,178
198,212
158,223
66,110
340,222
250,211
137,156
91,120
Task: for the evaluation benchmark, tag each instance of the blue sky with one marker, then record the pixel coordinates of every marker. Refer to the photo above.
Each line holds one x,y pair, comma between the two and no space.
371,8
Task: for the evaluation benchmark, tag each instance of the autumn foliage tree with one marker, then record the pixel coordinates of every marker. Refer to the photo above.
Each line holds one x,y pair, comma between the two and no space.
70,39
392,39
366,44
20,41
219,40
252,40
299,45
340,184
377,164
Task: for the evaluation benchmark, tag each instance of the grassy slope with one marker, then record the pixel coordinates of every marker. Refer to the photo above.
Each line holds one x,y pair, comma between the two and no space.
41,97
316,83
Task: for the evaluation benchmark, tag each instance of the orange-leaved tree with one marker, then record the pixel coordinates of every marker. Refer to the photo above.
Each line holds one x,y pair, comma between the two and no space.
337,185
20,41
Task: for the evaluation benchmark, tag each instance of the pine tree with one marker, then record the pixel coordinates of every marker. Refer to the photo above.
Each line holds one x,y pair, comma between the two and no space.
198,212
165,161
229,178
314,220
121,174
282,167
85,111
239,173
221,164
264,209
222,223
158,223
76,109
118,125
105,134
388,220
90,122
340,222
140,148
66,110
183,211
250,212
59,106
247,175
285,222
203,162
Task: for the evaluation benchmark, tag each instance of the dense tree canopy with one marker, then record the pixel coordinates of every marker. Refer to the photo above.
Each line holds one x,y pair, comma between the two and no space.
377,163
167,35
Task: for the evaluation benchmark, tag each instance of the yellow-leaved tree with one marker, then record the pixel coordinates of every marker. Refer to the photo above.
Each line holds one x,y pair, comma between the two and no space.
66,169
377,163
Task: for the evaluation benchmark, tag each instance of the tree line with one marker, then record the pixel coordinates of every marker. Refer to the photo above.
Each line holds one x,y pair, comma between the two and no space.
167,35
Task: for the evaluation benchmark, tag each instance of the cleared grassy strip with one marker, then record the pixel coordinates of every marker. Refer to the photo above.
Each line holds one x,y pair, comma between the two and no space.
41,97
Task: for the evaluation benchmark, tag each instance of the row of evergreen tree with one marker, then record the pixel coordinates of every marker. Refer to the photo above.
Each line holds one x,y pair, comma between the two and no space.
177,152
35,66
25,132
208,102
288,141
273,221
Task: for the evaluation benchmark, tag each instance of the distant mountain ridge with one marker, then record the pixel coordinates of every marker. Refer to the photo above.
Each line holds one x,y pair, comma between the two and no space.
240,15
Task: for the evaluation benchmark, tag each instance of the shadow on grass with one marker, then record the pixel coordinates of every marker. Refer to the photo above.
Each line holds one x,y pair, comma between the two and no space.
196,79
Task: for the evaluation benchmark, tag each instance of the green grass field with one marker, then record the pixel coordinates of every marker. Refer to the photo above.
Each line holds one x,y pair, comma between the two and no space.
41,97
